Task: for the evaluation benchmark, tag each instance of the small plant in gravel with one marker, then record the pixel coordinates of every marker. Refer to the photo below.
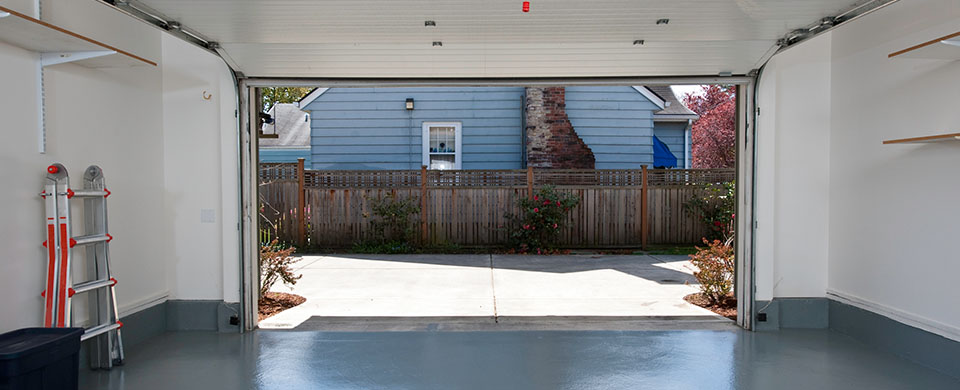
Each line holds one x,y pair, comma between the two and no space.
715,269
276,264
536,229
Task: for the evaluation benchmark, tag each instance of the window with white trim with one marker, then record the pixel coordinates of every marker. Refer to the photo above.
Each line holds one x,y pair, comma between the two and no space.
442,142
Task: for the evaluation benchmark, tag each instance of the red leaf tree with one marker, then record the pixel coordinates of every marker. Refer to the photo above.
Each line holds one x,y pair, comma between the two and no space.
713,143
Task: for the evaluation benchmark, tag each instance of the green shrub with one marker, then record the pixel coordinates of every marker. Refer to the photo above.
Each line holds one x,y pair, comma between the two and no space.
393,219
715,208
715,269
537,227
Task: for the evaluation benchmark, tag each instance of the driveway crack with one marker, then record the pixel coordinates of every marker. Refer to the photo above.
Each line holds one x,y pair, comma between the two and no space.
493,292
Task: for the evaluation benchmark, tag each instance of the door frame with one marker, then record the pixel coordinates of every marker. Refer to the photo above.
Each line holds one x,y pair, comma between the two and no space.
745,167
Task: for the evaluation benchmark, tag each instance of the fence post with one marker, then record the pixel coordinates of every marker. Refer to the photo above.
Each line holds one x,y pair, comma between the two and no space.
644,225
529,181
301,204
423,205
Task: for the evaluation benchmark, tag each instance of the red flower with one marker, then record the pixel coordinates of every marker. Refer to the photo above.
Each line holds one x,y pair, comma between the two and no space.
546,202
717,223
526,227
732,216
536,197
554,226
536,210
558,203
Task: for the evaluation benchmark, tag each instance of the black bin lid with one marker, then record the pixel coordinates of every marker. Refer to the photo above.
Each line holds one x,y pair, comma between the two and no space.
21,342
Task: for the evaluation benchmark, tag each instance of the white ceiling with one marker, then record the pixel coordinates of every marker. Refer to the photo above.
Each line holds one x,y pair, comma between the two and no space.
493,38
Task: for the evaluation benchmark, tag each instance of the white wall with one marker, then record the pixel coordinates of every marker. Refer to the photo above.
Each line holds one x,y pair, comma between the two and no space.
161,174
869,224
894,219
793,163
200,151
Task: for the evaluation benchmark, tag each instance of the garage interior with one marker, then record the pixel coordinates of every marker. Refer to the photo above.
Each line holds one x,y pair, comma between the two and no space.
847,144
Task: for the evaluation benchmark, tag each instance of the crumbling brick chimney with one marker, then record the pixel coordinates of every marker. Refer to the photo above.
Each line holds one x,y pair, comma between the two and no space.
552,141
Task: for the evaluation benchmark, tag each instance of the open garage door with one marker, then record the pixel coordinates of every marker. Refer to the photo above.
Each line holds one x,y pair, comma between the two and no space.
503,42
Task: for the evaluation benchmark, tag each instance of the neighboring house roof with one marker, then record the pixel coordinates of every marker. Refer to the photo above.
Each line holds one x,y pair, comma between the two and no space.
290,123
673,108
313,95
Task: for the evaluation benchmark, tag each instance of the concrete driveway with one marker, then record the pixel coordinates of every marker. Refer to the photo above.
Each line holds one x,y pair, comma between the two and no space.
492,289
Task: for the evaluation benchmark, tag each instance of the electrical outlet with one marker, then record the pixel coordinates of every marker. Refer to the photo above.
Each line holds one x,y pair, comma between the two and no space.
761,317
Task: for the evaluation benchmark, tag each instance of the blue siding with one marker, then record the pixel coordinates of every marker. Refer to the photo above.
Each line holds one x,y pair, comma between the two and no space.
672,134
369,128
615,122
284,155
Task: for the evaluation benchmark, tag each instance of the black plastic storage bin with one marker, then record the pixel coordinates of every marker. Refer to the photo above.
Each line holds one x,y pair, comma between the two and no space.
40,359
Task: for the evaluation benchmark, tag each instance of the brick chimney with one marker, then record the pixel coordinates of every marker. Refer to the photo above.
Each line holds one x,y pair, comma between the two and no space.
551,140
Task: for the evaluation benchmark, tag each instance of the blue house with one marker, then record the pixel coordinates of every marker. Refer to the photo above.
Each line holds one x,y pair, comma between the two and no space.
486,127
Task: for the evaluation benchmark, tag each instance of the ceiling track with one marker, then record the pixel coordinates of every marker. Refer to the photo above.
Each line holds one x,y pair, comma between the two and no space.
495,82
151,16
828,23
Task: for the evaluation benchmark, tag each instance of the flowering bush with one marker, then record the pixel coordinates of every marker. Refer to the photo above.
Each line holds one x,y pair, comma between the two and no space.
715,208
715,267
276,263
537,228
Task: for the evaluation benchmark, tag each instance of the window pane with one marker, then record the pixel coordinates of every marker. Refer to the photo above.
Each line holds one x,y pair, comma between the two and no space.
442,161
443,139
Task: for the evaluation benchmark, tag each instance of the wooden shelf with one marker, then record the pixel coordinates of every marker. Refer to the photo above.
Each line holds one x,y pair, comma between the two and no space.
59,45
924,140
946,47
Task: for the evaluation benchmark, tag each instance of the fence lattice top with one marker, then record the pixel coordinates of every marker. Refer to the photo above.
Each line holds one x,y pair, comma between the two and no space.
494,178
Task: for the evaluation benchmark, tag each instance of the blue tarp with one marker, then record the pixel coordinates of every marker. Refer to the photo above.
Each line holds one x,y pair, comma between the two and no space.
662,156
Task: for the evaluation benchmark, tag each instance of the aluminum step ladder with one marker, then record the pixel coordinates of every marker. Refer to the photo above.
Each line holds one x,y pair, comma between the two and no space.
107,348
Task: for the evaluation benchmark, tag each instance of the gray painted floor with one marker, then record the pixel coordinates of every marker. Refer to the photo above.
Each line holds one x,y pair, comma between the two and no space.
489,286
293,360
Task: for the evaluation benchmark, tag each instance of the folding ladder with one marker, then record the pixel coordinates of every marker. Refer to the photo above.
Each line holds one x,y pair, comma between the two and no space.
107,350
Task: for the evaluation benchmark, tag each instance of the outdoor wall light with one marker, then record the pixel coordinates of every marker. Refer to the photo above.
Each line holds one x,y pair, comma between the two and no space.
663,21
638,42
437,43
429,23
409,104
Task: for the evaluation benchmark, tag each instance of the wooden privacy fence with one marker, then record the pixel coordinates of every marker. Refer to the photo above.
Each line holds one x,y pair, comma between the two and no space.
618,208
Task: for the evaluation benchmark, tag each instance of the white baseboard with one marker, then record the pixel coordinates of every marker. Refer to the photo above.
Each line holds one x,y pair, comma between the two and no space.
929,325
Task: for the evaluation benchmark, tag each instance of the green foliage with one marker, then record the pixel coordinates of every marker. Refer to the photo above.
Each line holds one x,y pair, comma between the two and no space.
715,208
393,218
272,95
276,264
390,247
715,269
537,227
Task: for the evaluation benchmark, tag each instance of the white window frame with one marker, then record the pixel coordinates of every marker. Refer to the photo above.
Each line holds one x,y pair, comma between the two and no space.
458,148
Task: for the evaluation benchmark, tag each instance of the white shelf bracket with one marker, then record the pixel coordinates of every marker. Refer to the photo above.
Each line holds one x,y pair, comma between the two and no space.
54,58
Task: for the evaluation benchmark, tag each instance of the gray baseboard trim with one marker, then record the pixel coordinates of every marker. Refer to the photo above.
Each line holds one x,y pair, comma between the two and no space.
173,315
911,343
207,315
144,324
793,313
